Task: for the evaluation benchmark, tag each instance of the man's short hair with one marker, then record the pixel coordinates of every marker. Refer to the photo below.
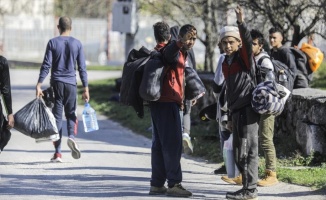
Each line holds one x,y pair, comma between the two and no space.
65,23
161,32
275,30
186,28
256,34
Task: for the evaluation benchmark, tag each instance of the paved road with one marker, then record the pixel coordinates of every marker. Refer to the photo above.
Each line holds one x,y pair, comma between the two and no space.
115,163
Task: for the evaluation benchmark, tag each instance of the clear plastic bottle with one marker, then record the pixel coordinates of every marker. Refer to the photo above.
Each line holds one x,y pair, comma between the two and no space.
89,119
282,78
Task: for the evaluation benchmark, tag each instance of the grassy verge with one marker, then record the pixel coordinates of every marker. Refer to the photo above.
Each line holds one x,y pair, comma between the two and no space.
319,79
292,166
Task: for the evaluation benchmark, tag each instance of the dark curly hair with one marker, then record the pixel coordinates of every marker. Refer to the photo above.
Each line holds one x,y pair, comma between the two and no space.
256,34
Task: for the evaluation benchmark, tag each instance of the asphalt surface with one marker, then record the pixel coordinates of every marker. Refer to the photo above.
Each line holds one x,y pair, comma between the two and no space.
115,163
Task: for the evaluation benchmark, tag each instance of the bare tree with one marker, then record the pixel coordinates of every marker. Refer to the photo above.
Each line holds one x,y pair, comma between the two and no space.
83,8
196,12
298,19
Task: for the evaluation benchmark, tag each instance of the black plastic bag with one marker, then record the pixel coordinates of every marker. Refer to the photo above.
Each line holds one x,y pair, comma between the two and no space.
35,120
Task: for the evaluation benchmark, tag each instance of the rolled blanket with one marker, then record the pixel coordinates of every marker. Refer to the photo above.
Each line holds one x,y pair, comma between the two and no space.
269,98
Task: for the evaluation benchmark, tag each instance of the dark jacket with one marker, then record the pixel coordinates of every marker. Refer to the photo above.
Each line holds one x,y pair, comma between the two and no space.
5,90
5,87
285,55
240,74
131,79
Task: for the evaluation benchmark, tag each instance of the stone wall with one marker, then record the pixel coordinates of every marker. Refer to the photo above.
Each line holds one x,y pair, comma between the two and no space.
304,116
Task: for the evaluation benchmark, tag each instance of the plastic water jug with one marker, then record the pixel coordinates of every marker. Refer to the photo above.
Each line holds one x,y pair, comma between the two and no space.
89,119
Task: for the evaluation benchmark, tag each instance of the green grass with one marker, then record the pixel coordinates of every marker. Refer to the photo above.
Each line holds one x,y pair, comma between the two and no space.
292,166
313,177
319,78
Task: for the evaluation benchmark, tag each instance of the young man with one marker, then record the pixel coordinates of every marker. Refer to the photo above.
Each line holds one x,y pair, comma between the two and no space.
62,54
5,90
165,113
266,123
186,113
239,73
280,52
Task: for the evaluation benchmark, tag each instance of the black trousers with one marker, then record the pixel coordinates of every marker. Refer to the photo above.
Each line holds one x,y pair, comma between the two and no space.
166,144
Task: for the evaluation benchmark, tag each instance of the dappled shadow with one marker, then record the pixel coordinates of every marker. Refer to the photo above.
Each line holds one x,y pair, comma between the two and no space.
77,185
88,185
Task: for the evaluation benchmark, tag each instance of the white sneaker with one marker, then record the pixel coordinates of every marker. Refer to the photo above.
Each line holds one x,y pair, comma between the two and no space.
75,152
187,145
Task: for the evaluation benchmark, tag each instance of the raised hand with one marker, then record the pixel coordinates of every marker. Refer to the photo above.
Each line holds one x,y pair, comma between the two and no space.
239,12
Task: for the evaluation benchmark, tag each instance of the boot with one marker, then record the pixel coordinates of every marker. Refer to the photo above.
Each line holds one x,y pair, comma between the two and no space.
269,180
236,181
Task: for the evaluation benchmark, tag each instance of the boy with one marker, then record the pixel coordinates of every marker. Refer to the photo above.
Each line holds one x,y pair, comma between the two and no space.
239,72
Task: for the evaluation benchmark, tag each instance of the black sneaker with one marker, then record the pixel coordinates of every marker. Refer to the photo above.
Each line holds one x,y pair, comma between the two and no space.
221,170
243,194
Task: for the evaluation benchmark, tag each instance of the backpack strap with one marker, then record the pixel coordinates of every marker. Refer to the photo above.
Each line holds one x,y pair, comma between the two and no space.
261,59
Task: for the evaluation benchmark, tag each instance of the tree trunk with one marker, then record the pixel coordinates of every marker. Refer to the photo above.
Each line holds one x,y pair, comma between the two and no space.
209,54
210,43
296,37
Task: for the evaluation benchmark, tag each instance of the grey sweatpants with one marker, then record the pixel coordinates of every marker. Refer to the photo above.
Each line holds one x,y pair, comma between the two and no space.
245,144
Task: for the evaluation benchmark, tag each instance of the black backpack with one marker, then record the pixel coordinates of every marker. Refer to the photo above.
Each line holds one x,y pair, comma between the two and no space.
278,66
301,61
131,77
152,78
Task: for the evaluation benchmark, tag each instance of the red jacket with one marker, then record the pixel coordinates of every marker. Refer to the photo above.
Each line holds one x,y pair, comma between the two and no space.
173,83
